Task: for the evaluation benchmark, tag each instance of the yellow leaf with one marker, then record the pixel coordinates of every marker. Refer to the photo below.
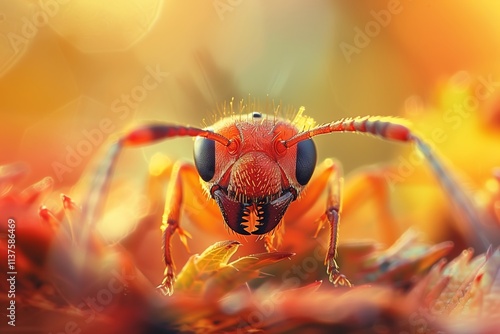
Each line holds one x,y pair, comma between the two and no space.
187,276
216,255
257,261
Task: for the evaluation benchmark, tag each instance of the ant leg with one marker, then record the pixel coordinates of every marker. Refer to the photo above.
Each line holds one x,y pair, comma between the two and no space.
480,235
197,205
329,176
367,185
332,215
170,223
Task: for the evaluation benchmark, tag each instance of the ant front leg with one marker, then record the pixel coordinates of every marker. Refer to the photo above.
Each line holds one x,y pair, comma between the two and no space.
332,216
329,176
170,223
366,185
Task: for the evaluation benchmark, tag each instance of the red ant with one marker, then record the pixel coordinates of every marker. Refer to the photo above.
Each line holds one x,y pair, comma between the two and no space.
254,166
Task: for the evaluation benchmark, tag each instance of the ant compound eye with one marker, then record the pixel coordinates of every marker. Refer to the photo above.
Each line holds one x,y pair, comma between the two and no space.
306,161
204,157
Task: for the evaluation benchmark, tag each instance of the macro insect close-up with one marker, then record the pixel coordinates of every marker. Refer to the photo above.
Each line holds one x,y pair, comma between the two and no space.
249,166
255,165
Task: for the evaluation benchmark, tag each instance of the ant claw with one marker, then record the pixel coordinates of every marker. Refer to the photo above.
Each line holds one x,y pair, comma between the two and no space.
334,275
339,280
165,289
167,285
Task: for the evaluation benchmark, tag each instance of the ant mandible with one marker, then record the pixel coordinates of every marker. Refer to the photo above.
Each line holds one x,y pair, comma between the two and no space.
254,165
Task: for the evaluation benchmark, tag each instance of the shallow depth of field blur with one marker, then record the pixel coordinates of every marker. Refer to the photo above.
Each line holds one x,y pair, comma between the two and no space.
76,74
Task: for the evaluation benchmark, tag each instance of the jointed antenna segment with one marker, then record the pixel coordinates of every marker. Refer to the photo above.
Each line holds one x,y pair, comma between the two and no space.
154,132
390,128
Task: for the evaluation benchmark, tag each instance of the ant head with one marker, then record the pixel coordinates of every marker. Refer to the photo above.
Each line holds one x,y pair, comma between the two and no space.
256,174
